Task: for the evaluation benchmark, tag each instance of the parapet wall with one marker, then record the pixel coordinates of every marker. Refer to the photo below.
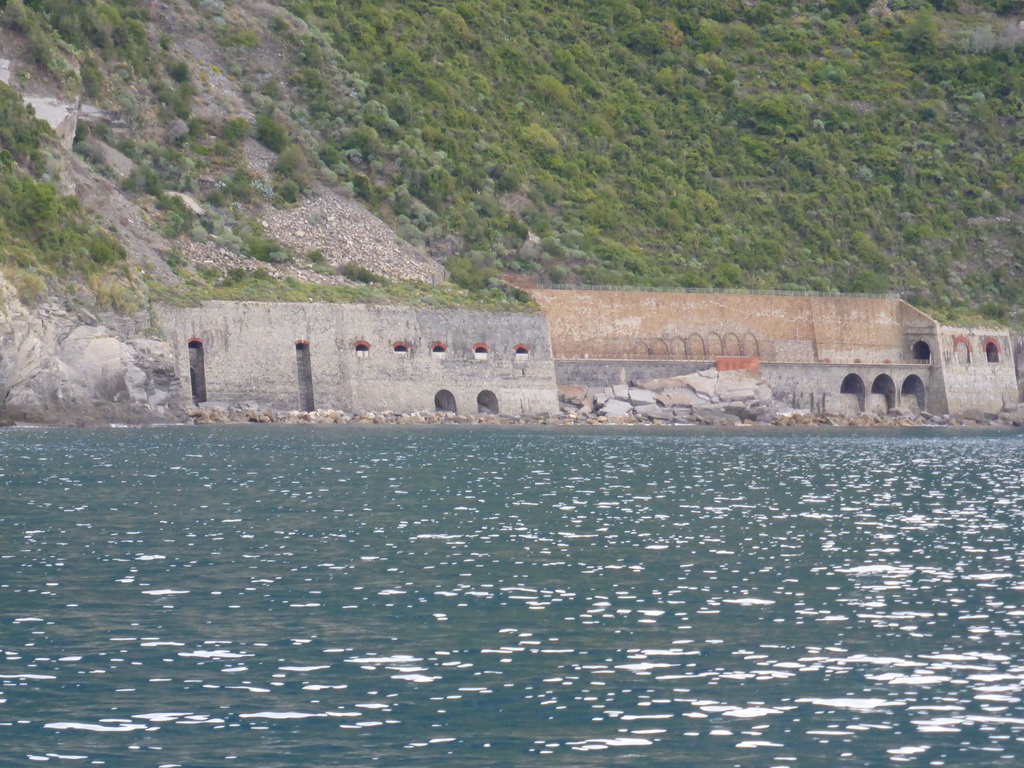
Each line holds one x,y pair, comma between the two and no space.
360,357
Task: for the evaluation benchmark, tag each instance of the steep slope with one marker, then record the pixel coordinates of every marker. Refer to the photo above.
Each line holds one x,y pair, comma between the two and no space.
822,144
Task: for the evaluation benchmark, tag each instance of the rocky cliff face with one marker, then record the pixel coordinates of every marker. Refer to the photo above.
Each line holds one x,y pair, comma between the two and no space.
64,366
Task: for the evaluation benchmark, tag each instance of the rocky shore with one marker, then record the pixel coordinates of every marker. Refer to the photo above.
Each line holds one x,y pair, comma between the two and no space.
218,414
707,398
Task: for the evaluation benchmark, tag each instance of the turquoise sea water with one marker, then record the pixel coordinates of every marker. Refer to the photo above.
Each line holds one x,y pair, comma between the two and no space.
277,596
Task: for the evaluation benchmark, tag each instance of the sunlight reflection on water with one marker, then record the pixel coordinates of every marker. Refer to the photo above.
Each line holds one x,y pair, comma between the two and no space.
306,596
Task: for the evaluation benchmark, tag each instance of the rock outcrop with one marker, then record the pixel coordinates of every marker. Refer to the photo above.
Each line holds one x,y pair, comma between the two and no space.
708,397
64,366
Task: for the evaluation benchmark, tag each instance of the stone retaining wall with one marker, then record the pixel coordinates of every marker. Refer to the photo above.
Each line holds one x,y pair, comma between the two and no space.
365,358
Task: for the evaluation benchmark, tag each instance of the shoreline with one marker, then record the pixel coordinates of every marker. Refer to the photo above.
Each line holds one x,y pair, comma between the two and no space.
568,418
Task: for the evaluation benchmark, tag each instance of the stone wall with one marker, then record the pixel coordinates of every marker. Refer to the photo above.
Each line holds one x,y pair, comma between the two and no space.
870,388
606,373
355,356
830,353
702,326
977,370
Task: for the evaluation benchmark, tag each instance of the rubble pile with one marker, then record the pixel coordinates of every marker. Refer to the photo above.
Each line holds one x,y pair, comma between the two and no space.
711,397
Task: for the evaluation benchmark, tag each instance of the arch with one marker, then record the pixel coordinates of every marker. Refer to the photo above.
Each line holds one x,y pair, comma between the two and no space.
991,350
884,385
696,347
732,345
197,370
304,371
913,387
487,402
444,401
749,345
854,385
678,345
400,348
521,352
640,350
438,350
659,348
961,350
714,348
481,351
362,348
921,352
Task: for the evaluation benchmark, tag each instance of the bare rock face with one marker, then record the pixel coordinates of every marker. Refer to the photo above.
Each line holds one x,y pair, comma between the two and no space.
57,367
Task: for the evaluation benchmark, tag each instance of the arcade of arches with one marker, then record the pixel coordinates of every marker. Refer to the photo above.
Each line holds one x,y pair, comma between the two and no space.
913,393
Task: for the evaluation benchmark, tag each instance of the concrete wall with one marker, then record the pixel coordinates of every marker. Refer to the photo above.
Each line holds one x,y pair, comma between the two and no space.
249,351
638,324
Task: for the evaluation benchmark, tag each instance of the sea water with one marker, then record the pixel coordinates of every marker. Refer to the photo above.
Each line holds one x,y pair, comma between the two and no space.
339,596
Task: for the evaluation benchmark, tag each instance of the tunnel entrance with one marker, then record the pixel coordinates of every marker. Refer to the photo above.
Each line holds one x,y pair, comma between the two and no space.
197,370
487,402
914,393
304,370
444,401
883,385
854,385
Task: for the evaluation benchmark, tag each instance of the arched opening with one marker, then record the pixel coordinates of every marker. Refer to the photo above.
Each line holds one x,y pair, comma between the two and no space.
992,351
480,352
962,350
197,370
362,349
715,345
659,349
304,369
486,402
914,394
853,385
732,345
640,351
522,353
438,350
400,348
444,401
921,352
679,348
749,345
696,348
884,385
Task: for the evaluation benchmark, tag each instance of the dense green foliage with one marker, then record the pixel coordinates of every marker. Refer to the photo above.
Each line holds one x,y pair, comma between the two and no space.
830,145
44,235
805,145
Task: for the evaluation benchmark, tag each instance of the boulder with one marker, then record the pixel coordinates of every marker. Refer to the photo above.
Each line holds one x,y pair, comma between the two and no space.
655,412
620,392
642,396
715,418
616,408
568,393
676,397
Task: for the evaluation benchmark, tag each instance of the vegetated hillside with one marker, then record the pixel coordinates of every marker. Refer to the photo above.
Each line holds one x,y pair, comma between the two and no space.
823,145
